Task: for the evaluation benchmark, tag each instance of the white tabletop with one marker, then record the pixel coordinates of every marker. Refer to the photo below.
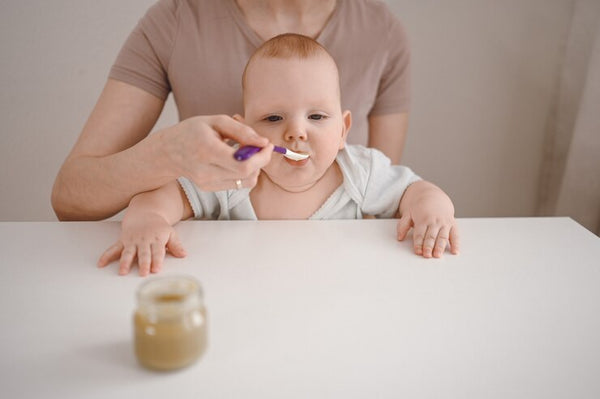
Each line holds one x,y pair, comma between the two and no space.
306,309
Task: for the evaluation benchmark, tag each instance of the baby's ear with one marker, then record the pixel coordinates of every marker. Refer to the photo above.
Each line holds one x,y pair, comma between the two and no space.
346,124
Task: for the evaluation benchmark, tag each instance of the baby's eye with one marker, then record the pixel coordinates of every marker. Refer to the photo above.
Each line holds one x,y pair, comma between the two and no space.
316,117
273,118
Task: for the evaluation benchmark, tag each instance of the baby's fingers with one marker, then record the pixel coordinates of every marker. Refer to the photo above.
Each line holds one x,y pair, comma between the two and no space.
144,256
454,240
404,225
127,257
111,254
174,246
441,242
418,237
429,241
158,256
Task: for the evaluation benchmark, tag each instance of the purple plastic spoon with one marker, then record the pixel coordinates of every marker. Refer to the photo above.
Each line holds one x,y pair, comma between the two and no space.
247,151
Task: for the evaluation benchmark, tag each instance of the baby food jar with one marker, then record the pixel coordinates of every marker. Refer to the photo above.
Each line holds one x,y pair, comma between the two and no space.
169,323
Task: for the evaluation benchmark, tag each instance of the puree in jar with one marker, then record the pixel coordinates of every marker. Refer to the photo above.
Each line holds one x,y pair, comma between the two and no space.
170,323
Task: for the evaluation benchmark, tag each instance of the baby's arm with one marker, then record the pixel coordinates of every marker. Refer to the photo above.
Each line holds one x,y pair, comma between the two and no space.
146,230
427,209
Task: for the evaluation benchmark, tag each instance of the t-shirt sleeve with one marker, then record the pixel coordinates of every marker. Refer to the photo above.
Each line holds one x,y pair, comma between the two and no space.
393,94
144,58
204,204
385,186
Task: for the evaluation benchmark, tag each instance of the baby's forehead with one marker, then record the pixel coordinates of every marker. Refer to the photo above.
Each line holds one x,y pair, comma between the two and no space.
320,62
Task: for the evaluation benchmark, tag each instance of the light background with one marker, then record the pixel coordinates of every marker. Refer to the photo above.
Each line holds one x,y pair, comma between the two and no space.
485,76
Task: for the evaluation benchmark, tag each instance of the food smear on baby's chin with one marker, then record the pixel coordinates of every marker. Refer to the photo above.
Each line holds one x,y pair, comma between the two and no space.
297,163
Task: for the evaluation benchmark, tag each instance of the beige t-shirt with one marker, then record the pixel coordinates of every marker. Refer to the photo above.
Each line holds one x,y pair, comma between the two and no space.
198,50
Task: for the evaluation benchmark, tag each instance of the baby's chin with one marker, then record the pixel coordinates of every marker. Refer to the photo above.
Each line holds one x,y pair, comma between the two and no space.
290,183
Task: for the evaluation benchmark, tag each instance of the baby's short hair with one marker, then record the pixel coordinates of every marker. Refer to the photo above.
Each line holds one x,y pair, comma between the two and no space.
288,45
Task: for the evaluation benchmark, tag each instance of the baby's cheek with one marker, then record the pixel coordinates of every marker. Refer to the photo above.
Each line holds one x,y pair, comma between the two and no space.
272,167
270,132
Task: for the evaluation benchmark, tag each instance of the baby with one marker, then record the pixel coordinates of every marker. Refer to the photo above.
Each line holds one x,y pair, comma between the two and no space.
292,97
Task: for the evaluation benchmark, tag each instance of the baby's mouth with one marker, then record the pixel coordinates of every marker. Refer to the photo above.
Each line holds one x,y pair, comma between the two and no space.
296,155
297,161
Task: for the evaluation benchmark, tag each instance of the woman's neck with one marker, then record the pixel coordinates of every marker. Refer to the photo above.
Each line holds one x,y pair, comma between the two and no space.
270,18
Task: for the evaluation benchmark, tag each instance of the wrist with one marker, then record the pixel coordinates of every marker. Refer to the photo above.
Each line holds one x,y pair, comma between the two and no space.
134,215
425,194
162,154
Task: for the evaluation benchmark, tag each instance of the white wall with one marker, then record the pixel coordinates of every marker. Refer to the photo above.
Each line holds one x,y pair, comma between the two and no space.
485,74
55,59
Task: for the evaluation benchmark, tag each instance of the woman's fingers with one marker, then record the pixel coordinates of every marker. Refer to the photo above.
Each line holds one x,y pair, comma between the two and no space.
226,180
225,170
219,153
233,129
197,147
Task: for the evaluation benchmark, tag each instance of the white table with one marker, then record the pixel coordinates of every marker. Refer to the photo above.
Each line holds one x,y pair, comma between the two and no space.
335,309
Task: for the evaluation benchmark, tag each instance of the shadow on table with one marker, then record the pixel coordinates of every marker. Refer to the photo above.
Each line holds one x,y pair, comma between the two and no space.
91,371
114,355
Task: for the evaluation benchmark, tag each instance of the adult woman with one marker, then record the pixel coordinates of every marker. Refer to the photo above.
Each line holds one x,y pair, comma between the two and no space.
196,49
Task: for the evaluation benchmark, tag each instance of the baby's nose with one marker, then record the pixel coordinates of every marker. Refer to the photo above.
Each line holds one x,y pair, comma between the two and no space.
295,132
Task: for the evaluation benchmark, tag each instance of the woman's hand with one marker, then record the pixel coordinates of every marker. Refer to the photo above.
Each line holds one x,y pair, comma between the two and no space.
430,212
196,147
145,237
115,158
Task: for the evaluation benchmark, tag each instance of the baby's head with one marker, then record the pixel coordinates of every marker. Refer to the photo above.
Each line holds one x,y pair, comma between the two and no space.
292,97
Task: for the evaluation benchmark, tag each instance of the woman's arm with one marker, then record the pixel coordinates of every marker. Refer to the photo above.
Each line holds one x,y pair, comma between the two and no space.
387,133
115,158
98,178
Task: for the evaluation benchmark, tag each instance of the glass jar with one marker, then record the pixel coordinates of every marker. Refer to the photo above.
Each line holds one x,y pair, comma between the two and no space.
169,323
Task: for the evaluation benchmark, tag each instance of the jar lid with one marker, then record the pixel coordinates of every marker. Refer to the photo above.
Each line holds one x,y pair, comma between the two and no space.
170,292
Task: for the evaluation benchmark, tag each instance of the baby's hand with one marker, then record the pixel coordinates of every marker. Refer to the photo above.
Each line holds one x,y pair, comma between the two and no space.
146,237
431,213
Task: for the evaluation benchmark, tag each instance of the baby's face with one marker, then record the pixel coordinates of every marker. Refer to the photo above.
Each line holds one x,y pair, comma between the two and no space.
296,104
